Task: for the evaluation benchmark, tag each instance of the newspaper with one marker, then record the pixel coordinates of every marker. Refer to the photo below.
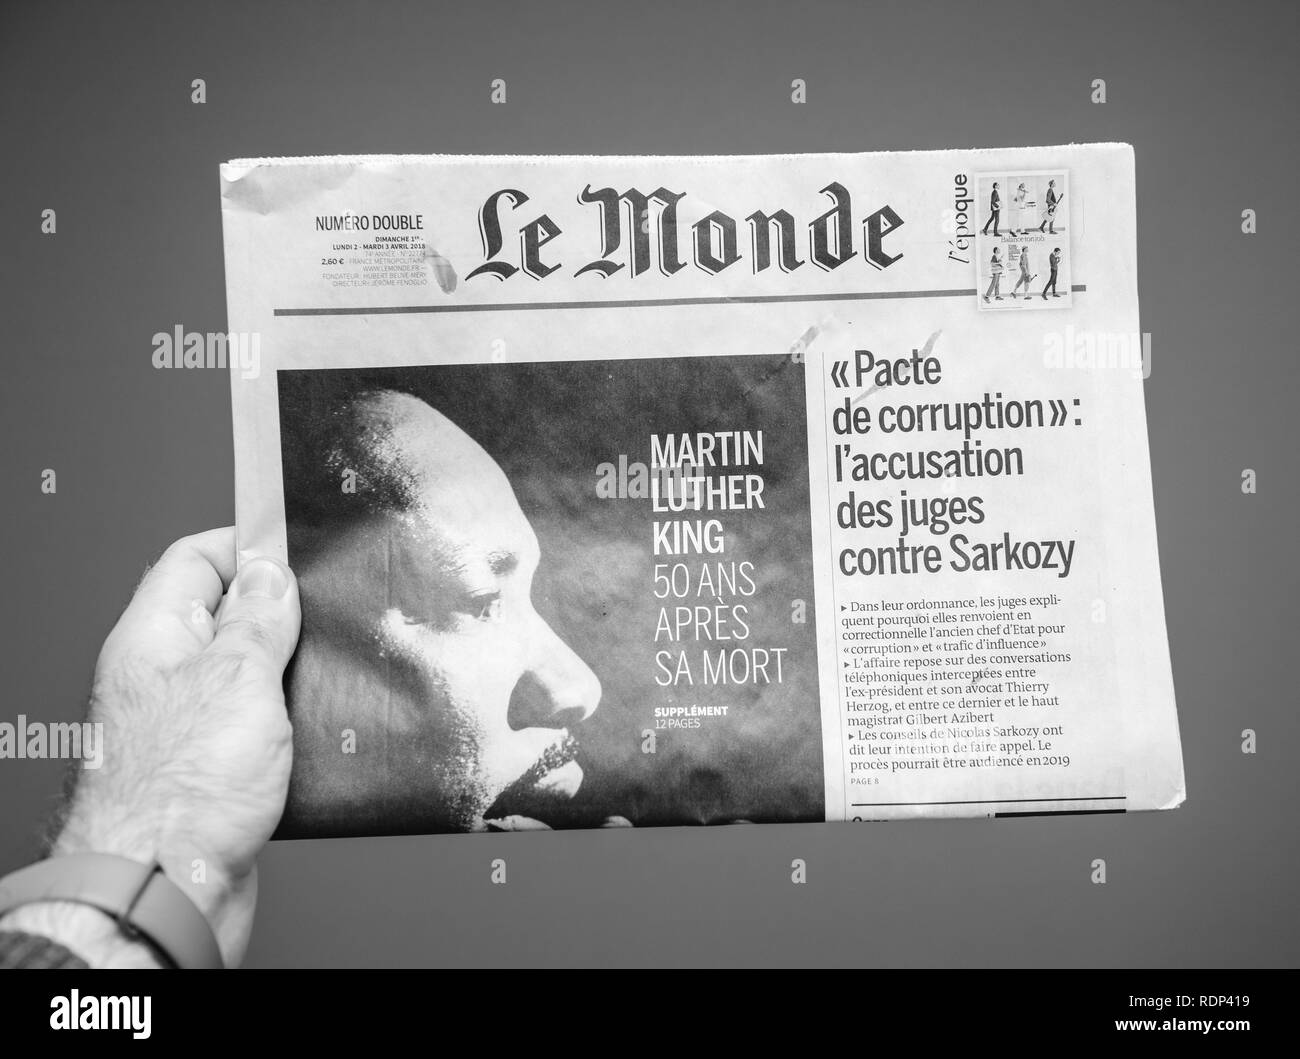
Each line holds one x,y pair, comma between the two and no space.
632,491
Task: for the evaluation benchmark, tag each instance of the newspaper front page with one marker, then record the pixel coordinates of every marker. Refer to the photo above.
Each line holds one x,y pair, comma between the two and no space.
634,491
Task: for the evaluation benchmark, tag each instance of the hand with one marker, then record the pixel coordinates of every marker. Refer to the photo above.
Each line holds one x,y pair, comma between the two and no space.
197,742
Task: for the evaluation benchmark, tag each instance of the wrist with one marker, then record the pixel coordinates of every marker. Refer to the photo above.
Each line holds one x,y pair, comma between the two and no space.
137,838
134,896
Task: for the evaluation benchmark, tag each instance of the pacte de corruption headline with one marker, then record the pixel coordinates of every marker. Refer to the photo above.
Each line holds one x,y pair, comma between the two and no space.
940,514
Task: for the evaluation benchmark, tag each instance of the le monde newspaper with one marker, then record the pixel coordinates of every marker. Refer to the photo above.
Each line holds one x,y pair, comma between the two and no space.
636,491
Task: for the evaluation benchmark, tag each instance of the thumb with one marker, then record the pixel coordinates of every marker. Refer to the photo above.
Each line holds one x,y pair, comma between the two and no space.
260,616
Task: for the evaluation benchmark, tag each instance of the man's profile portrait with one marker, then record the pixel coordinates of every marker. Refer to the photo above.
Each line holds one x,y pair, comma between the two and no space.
420,635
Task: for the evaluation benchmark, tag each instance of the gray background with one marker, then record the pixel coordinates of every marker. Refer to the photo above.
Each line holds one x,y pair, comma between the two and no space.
96,122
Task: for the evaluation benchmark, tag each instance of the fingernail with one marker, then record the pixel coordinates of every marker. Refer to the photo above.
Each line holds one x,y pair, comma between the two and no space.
262,579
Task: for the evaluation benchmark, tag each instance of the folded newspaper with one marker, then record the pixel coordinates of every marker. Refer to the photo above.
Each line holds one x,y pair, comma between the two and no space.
630,491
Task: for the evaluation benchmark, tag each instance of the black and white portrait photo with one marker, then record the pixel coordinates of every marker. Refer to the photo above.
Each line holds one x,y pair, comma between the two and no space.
496,619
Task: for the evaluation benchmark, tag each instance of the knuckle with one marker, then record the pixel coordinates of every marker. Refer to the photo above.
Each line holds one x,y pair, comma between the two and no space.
221,667
172,556
178,549
249,631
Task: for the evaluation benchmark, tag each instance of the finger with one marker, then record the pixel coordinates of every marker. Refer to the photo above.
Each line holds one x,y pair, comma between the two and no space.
170,614
196,567
260,616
